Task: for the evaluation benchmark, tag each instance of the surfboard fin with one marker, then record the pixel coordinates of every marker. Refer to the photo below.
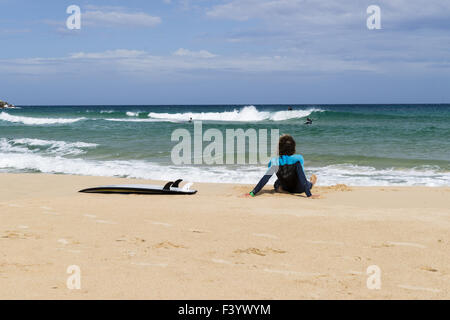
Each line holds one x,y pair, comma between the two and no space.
168,185
176,184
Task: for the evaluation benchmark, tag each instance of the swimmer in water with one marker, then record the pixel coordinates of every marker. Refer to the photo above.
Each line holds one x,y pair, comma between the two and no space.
308,121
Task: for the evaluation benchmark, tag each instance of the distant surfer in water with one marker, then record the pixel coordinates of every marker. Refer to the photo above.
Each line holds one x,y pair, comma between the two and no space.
290,109
190,120
288,167
309,121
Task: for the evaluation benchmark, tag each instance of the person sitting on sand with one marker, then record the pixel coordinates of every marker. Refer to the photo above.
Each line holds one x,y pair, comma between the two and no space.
288,167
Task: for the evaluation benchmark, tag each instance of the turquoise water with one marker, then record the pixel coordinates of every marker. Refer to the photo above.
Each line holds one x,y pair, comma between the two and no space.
351,144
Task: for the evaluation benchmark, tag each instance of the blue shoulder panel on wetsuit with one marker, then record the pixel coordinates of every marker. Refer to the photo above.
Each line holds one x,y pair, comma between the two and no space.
287,160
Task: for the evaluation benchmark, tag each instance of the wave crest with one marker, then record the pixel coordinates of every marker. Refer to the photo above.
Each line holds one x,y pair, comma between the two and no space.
132,114
60,148
36,121
246,114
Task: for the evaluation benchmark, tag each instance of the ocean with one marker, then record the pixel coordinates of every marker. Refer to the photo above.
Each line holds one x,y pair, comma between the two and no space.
357,145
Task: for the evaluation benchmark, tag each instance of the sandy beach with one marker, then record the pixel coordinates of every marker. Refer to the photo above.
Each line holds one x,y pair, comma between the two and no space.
220,245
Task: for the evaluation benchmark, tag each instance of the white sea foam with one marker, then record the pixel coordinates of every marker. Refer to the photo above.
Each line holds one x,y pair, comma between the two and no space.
132,114
330,175
36,121
139,120
8,146
368,176
246,114
131,169
48,146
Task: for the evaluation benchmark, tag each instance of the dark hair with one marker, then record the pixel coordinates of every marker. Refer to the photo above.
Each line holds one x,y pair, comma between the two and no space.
286,145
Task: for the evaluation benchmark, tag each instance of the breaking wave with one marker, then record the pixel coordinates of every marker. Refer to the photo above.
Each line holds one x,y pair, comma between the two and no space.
60,148
246,114
36,121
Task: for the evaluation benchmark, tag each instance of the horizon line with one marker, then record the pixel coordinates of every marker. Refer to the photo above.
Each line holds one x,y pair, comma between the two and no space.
228,104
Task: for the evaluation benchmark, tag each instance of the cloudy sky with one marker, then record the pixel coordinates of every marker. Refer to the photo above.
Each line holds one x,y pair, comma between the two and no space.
225,52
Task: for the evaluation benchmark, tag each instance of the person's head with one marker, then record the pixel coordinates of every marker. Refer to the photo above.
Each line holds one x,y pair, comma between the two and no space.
286,145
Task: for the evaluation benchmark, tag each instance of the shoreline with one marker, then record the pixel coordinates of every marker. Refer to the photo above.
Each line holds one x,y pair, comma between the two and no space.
219,245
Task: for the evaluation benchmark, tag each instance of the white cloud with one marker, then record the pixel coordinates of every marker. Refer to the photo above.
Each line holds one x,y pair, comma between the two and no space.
117,16
134,62
14,31
316,13
109,54
414,31
195,54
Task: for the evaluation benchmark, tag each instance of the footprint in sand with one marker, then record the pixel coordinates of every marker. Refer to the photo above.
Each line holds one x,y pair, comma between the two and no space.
65,242
133,240
199,231
339,187
168,245
259,252
408,287
406,244
355,272
18,235
430,269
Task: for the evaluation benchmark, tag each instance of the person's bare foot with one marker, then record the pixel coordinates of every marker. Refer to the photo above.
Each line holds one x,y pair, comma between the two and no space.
313,179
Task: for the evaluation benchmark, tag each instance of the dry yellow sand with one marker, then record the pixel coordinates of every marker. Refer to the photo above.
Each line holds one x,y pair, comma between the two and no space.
220,245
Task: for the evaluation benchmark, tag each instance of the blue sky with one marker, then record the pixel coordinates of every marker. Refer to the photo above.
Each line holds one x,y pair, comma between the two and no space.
225,52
